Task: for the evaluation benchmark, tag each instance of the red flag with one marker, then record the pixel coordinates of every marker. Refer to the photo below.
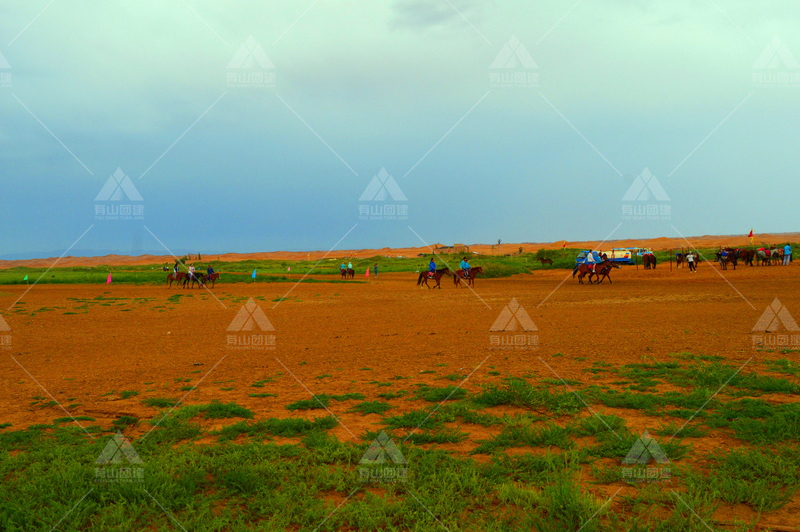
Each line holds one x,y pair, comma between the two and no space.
366,274
751,234
564,245
108,281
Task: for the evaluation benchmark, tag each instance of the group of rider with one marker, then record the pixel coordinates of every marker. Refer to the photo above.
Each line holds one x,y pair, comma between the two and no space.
463,265
191,270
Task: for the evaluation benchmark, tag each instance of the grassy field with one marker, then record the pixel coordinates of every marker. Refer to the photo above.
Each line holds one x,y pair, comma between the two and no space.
290,473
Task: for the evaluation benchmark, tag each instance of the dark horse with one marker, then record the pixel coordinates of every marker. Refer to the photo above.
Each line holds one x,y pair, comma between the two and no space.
212,279
474,271
176,278
197,277
343,271
679,258
546,261
649,261
437,276
351,273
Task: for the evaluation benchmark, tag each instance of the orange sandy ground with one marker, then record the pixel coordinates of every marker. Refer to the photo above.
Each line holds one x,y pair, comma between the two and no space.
656,244
360,334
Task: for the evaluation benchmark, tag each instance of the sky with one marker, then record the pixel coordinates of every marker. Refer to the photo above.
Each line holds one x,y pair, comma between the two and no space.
312,125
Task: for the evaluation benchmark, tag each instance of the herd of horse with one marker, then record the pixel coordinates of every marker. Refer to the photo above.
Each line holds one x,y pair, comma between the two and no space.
458,276
750,257
184,279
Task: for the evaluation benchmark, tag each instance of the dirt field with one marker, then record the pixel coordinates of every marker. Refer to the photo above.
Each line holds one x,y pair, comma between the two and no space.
86,345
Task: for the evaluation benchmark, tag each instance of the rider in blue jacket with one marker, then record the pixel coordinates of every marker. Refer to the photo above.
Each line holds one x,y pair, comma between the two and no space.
431,267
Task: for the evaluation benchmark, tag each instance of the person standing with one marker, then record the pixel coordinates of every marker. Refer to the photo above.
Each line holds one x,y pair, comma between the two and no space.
787,254
690,262
375,269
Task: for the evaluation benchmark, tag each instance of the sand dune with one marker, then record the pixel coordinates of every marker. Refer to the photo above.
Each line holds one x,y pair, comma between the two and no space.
661,243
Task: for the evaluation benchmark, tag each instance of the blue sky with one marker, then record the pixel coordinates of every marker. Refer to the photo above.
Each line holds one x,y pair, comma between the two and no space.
405,85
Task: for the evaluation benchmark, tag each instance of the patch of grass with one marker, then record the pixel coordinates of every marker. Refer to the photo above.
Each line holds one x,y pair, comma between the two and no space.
159,402
527,434
123,422
674,429
764,479
59,420
437,395
414,419
784,366
287,427
518,392
393,395
263,395
446,435
217,410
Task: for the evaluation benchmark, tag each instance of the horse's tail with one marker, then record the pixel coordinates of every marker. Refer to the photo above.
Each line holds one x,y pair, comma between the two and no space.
419,279
574,271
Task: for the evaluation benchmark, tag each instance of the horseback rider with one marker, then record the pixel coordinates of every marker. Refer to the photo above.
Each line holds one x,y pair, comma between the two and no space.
342,266
210,270
191,272
349,265
431,268
175,269
465,266
589,260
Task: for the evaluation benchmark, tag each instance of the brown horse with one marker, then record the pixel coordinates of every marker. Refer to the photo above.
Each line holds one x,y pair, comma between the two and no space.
176,278
582,270
603,271
212,279
473,272
351,273
649,261
343,271
437,276
545,261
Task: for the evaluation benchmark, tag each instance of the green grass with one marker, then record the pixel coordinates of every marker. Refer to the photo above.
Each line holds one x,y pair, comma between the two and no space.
159,402
437,395
322,401
518,392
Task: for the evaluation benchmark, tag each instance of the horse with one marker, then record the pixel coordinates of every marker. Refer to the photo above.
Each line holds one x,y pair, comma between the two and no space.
604,269
437,276
196,277
649,261
679,258
545,261
747,256
343,271
475,270
351,273
212,278
763,256
176,278
582,270
777,256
